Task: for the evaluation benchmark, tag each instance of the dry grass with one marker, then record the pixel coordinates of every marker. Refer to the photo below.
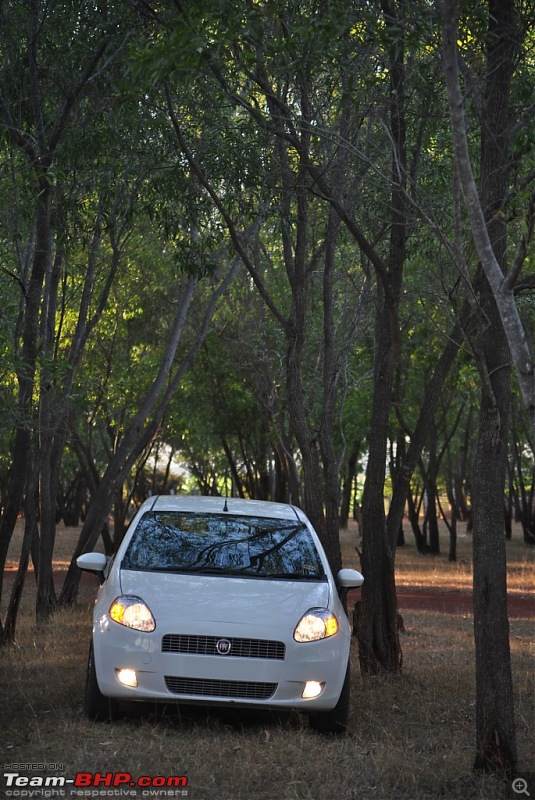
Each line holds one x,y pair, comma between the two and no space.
409,739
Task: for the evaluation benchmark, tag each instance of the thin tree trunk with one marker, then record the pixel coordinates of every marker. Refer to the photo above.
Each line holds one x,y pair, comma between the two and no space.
24,453
504,40
378,636
419,536
233,468
495,727
347,486
501,339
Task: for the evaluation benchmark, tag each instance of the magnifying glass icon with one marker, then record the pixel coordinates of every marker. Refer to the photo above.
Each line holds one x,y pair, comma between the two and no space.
520,786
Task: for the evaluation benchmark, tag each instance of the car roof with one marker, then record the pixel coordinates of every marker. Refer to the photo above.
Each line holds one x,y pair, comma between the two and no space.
218,505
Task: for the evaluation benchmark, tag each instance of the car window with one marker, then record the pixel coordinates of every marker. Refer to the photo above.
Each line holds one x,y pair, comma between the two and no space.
220,543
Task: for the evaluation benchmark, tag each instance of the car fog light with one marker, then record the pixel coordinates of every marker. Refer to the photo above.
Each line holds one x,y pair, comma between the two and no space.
312,689
127,677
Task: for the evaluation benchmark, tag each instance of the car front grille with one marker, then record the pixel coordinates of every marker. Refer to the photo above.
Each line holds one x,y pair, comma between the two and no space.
232,647
204,687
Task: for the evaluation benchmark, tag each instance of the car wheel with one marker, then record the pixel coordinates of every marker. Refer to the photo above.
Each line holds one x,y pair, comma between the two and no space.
96,706
334,721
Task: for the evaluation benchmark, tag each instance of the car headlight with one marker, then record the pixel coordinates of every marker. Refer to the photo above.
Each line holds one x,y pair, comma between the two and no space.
317,623
131,611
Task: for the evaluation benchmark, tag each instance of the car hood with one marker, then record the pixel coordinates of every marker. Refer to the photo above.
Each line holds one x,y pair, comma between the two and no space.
196,599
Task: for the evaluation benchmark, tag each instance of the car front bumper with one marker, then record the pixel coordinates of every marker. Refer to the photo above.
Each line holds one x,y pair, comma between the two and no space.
220,679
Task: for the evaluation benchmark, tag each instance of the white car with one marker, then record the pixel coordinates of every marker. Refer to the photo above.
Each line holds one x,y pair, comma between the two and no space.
220,601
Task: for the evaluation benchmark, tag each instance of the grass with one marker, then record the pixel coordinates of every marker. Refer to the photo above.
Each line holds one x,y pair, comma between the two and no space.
409,739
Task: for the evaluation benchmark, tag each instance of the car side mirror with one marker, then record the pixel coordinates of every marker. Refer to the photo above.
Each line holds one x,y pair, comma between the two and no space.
95,563
348,579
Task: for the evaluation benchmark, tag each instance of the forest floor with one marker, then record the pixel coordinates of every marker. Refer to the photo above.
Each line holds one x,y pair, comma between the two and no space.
411,738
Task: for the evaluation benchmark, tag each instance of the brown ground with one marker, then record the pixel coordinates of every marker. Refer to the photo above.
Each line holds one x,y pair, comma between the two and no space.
455,602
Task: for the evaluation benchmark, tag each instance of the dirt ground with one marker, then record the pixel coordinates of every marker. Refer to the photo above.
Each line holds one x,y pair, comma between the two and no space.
457,602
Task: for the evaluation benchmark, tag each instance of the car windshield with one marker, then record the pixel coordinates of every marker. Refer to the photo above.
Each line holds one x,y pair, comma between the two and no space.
260,547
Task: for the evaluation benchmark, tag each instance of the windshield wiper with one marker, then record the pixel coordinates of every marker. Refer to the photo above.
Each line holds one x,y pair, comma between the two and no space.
238,572
198,570
294,576
208,570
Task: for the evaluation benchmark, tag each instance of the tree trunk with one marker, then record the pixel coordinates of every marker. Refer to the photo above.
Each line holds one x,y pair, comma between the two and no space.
501,341
15,493
452,525
236,479
378,637
419,536
288,485
347,485
495,728
504,41
331,373
50,448
496,737
379,645
24,455
431,519
28,539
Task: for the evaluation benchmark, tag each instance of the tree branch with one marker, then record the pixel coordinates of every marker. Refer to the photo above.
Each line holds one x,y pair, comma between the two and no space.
234,234
522,248
503,294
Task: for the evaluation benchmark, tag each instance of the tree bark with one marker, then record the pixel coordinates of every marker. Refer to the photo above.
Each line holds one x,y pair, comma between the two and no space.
501,337
347,485
495,727
378,636
23,463
503,44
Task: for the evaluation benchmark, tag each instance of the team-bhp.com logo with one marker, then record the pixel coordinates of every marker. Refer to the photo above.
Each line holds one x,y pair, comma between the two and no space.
95,784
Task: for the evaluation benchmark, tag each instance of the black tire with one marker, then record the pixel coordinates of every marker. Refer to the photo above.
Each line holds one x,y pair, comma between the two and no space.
335,721
97,707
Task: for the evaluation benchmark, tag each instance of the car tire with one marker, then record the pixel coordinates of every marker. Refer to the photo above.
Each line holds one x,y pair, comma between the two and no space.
97,707
334,721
